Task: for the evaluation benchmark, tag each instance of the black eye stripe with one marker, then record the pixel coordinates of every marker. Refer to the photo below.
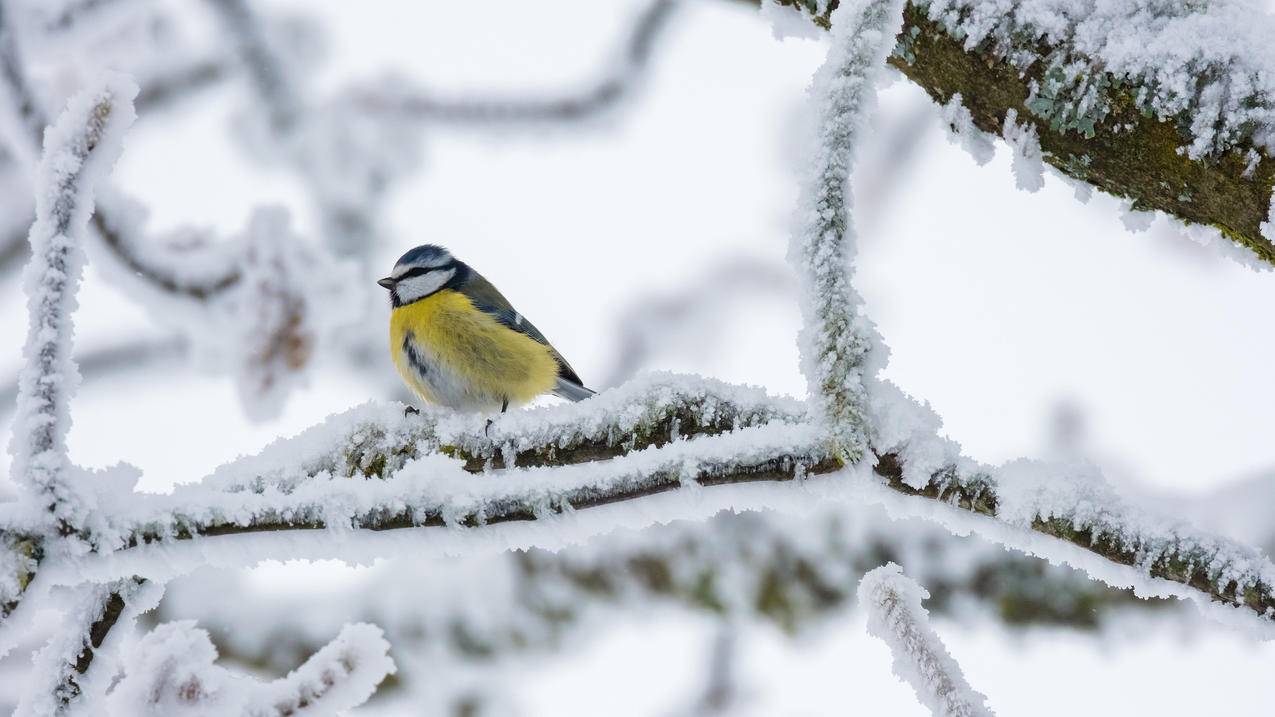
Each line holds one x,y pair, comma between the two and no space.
421,271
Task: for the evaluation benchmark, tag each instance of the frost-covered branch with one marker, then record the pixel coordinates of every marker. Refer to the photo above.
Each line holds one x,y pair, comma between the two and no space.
78,151
792,571
418,471
1072,504
171,673
372,468
157,271
276,90
838,341
617,82
895,615
345,157
1168,105
62,665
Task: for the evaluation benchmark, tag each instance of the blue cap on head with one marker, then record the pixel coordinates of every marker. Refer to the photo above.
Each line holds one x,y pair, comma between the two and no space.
425,255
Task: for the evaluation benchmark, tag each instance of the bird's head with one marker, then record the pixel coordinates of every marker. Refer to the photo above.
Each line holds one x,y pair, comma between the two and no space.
421,272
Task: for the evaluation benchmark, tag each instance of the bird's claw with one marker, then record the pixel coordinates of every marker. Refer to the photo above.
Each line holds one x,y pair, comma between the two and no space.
487,428
411,410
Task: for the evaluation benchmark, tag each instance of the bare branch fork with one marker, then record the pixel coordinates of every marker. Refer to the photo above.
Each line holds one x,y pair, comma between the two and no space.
373,469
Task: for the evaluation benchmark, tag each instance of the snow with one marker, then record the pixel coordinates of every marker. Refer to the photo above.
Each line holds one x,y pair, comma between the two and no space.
785,24
895,615
12,565
1029,171
1268,226
79,150
1213,239
962,132
518,607
1206,64
171,671
615,416
903,426
58,682
1028,491
1136,220
1251,159
338,677
839,346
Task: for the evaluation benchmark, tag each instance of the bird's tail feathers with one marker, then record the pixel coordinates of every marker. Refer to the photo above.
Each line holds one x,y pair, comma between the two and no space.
571,390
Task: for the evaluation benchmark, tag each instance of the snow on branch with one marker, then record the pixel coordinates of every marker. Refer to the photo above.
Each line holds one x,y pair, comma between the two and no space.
346,156
419,470
795,571
374,469
18,563
78,151
893,603
174,273
62,665
1169,105
171,673
837,340
269,77
1073,504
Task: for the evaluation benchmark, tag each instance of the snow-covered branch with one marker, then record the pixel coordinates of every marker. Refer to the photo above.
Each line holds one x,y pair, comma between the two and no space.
838,341
274,88
895,615
171,673
63,664
373,468
1073,504
1168,105
78,151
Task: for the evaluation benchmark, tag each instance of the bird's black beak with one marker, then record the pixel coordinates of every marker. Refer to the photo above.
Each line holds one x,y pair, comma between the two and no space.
387,282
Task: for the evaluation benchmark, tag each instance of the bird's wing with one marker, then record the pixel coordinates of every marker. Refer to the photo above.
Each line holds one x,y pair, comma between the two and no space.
488,299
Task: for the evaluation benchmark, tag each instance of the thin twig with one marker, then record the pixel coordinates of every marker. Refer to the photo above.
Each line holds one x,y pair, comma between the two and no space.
615,85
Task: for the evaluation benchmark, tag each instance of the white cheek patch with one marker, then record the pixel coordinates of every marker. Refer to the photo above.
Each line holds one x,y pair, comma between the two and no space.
418,287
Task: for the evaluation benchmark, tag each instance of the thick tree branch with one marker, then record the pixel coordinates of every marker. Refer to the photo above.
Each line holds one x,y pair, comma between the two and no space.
1123,146
794,571
379,471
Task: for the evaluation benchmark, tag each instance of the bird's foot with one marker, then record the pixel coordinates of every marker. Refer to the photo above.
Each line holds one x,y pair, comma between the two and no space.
411,410
487,428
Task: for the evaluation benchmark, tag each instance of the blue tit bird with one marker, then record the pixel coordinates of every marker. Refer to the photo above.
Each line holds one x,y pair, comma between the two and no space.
458,342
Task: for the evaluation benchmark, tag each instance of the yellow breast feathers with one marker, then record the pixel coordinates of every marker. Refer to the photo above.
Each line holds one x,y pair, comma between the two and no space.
456,355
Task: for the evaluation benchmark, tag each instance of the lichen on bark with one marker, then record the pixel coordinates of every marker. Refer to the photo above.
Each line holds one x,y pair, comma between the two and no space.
1130,153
